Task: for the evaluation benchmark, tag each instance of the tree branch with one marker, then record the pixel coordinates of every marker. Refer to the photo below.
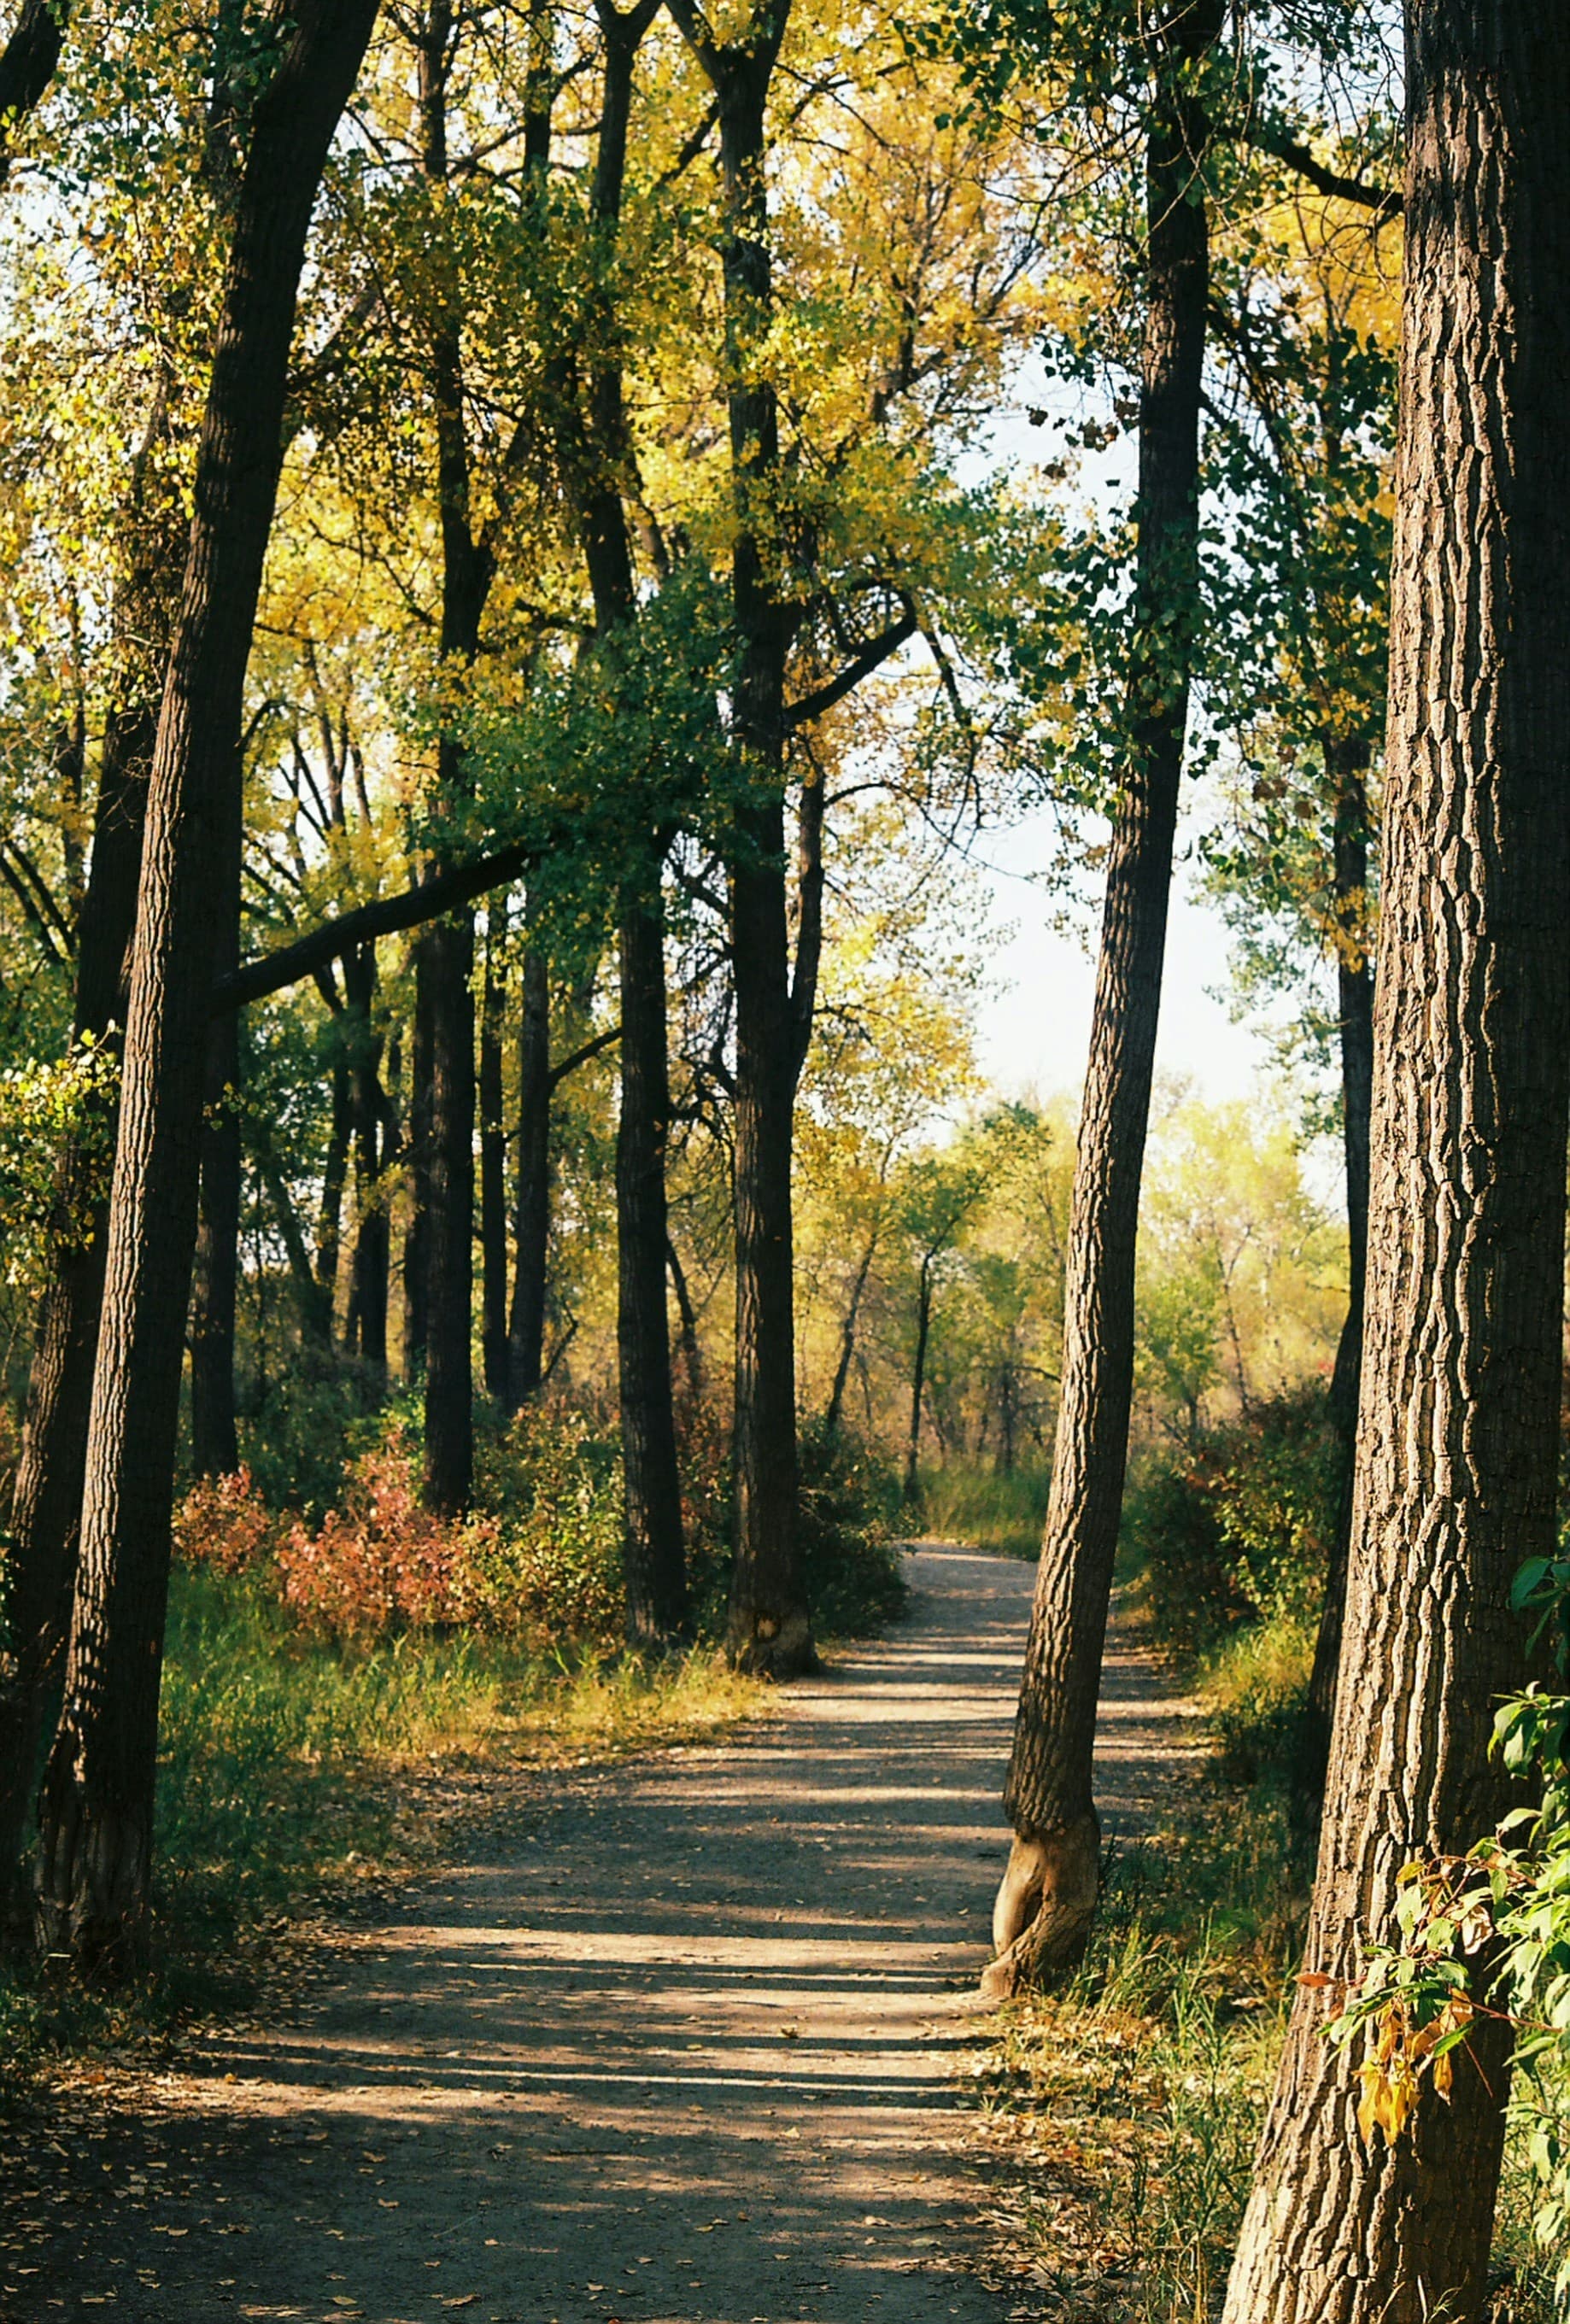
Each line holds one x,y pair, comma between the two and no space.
581,1055
1383,201
388,915
824,697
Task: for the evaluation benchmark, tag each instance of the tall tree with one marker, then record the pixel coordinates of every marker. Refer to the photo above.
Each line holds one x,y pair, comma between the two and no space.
97,1812
47,1492
1458,1426
1048,1896
769,1629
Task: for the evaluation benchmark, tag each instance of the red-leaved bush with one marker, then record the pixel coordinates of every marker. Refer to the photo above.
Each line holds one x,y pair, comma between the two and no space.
223,1522
382,1561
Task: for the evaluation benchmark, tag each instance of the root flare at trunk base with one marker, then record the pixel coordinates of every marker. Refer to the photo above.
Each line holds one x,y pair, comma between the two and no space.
1045,1908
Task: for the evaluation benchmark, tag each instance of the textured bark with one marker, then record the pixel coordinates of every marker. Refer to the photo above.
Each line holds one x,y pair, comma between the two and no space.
1458,1421
493,1188
1048,1897
40,1544
1348,762
532,1202
96,1823
768,1627
334,1178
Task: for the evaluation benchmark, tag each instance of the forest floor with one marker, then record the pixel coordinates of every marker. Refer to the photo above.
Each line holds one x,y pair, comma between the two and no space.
683,2041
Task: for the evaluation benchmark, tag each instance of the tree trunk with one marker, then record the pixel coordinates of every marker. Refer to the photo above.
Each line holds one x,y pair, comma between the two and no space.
1045,1903
847,1337
492,1182
214,1447
46,1502
98,1813
918,1383
1354,983
447,954
329,1231
416,1236
768,1627
47,1495
654,1556
449,1427
365,1330
1459,1417
531,1212
687,1320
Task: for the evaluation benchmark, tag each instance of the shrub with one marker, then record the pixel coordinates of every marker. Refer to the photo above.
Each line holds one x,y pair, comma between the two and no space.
850,1500
224,1524
381,1561
547,1563
1238,1528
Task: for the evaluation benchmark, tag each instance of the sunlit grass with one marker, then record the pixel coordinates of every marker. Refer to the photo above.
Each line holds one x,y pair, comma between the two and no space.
293,1774
984,1509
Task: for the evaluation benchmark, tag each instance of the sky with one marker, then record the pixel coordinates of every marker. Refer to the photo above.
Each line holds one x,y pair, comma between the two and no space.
1034,1025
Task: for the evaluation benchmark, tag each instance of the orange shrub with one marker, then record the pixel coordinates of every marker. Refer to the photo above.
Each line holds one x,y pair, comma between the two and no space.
223,1522
381,1563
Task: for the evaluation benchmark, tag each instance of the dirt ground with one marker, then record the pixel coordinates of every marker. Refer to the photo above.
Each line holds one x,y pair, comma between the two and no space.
683,2041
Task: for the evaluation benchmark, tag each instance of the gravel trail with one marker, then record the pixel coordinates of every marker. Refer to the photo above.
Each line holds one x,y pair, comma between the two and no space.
682,2047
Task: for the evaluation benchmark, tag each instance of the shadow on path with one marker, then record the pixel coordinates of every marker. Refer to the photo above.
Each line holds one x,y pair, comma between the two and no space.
686,2053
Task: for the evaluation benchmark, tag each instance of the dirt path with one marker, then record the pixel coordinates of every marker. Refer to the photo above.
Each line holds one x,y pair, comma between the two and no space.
684,2049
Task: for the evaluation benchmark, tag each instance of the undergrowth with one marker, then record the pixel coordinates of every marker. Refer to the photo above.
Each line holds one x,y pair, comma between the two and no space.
986,1508
295,1774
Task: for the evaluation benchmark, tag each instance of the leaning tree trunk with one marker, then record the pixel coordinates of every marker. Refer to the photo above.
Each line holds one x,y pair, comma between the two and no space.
41,1545
1045,1905
1459,1418
47,1495
1348,761
97,1808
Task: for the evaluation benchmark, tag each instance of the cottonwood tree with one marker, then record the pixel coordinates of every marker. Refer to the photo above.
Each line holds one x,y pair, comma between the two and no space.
1044,1905
97,1820
1459,1420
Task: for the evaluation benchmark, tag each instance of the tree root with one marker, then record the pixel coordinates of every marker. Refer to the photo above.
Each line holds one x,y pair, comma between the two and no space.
1045,1908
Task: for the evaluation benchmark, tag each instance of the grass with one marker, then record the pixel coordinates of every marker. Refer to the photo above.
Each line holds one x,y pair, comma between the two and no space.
292,1776
986,1510
1124,2111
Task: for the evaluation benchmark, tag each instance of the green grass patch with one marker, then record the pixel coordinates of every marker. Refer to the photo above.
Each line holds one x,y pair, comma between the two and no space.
294,1775
983,1509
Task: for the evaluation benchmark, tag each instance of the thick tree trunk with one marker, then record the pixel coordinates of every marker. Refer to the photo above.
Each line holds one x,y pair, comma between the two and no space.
653,1554
1045,1905
1458,1423
492,1184
98,1816
46,1500
1348,763
531,1208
